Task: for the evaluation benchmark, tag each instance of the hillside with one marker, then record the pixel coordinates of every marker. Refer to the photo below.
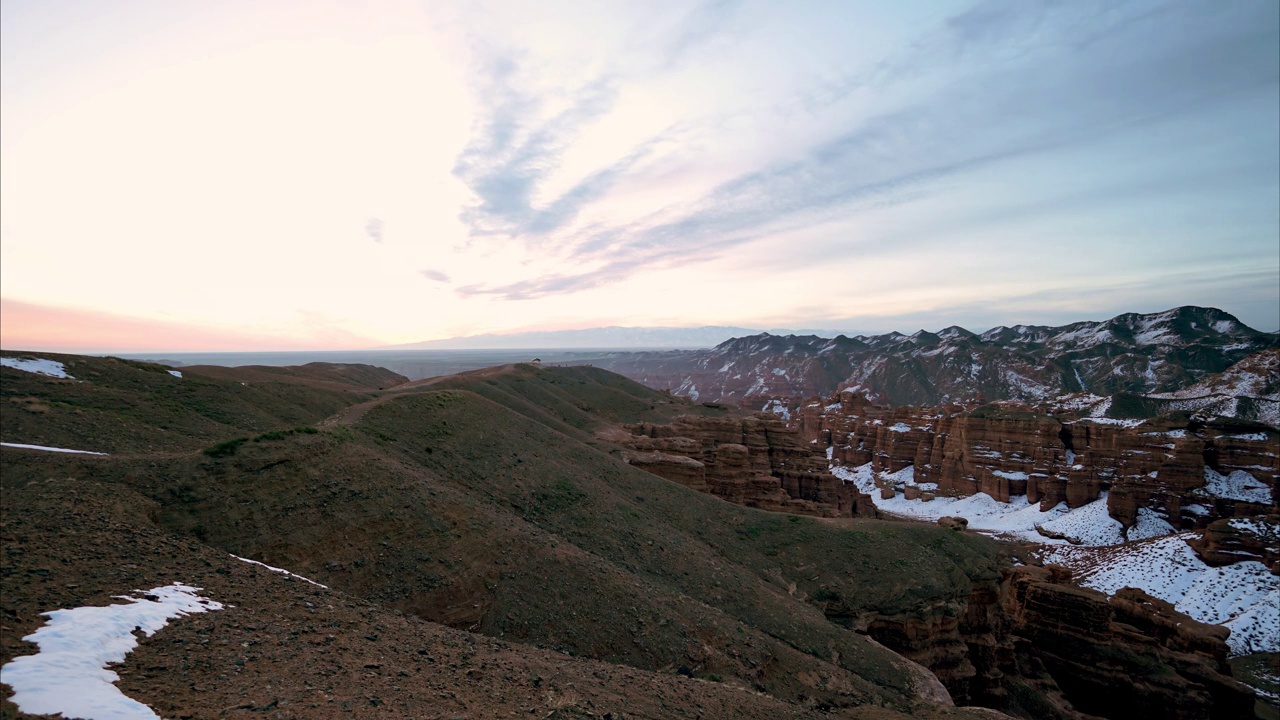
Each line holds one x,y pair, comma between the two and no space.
575,584
1131,353
114,405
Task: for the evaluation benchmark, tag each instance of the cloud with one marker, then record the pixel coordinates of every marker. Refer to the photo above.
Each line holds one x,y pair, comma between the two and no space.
999,81
373,229
514,149
517,146
435,275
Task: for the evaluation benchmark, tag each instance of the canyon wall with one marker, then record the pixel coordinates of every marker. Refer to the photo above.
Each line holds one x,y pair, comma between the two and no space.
1190,471
1033,644
755,461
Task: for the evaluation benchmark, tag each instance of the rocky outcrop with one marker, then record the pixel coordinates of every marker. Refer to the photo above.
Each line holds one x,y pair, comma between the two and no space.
755,461
1231,540
1188,470
1130,656
1036,645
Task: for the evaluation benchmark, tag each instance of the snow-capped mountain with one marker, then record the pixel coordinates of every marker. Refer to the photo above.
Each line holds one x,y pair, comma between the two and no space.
1139,354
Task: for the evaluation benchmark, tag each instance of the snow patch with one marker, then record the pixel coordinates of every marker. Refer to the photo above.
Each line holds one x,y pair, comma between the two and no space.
779,408
1148,525
69,674
1251,437
900,428
176,373
282,571
861,477
49,449
1239,485
39,366
1113,421
1088,525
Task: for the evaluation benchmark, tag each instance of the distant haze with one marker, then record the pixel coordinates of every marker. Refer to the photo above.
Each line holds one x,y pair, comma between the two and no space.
607,337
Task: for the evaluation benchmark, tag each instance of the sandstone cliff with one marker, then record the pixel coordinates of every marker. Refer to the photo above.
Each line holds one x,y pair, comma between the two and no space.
755,461
1036,645
1187,469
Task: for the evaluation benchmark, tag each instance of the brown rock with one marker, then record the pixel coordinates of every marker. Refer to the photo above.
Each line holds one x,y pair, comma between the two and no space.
755,461
1231,540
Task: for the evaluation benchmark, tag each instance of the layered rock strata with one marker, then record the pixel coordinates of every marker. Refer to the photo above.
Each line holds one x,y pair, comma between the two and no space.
1036,645
755,461
1232,540
1189,471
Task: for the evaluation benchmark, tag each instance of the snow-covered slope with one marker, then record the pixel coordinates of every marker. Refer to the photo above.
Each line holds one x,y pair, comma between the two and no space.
1244,597
1087,525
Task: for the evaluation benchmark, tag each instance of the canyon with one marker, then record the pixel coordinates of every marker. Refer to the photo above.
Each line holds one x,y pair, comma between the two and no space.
1188,469
565,541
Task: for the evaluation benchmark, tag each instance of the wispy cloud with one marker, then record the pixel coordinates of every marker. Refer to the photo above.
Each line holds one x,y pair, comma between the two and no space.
513,151
1001,80
435,275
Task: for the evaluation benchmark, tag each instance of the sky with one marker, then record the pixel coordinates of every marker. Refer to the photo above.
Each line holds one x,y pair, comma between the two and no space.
321,174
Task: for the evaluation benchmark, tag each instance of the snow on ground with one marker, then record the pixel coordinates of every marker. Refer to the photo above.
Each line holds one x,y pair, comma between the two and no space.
1087,525
779,408
49,449
1257,526
282,571
39,366
176,373
1254,437
1239,485
862,478
1090,524
69,674
1113,421
1244,597
1149,525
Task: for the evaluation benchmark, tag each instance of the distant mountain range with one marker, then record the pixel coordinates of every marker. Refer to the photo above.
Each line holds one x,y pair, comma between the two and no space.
606,337
1132,353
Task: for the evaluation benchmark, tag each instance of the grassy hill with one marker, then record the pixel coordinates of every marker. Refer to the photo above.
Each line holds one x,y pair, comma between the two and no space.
127,406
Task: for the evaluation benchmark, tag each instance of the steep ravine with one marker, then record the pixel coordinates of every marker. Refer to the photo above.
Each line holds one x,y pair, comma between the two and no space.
1035,645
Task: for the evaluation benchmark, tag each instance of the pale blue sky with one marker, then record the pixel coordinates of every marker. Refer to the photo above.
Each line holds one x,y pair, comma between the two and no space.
343,173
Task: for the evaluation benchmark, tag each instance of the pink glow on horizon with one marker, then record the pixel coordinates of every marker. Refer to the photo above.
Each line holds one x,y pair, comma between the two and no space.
31,326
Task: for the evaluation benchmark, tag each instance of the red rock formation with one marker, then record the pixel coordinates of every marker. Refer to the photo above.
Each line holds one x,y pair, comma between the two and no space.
1130,656
755,461
1006,449
1232,540
1083,655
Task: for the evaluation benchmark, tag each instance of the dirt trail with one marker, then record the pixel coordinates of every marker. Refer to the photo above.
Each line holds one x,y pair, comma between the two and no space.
352,415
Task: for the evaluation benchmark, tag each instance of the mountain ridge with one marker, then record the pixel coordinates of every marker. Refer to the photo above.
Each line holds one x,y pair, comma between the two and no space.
1132,352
